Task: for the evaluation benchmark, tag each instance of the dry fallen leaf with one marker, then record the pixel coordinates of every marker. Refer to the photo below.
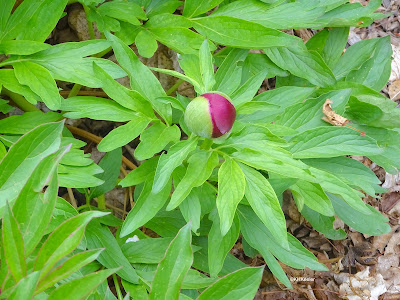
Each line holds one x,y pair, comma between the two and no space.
361,285
331,116
394,90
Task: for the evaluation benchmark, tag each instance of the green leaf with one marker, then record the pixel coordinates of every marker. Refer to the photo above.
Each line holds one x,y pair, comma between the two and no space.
330,43
274,159
65,62
146,251
166,223
173,268
231,263
69,267
80,288
288,15
194,8
302,63
99,236
5,12
323,224
219,245
156,7
263,200
31,202
312,195
141,174
110,163
146,43
103,22
13,245
139,291
350,171
372,223
124,134
197,86
125,11
206,66
332,184
146,207
18,47
191,208
34,20
242,284
179,39
231,188
248,90
24,156
3,151
196,280
63,240
228,75
21,124
96,108
242,34
146,84
10,82
169,162
354,57
79,176
122,95
40,81
201,165
155,138
332,141
62,212
307,115
260,238
350,14
71,50
375,72
282,97
25,288
190,64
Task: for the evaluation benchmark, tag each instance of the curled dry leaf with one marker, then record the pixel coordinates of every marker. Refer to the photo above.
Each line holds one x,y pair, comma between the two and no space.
331,116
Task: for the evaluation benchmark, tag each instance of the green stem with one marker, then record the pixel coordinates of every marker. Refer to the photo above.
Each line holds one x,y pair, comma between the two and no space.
174,87
75,90
206,144
20,101
118,289
101,202
90,24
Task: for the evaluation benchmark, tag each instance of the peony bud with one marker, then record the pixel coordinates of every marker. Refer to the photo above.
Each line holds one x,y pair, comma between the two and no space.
210,115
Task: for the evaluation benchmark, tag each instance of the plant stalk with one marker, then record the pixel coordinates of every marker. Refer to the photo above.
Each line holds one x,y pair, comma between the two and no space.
118,289
20,101
174,87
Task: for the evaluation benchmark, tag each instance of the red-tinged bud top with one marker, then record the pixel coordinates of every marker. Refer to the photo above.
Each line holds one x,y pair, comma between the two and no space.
210,115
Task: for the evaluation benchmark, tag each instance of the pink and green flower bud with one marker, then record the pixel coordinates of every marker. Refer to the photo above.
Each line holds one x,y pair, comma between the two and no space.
210,115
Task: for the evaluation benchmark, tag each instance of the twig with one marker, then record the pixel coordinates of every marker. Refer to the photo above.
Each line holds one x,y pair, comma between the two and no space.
85,93
72,197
